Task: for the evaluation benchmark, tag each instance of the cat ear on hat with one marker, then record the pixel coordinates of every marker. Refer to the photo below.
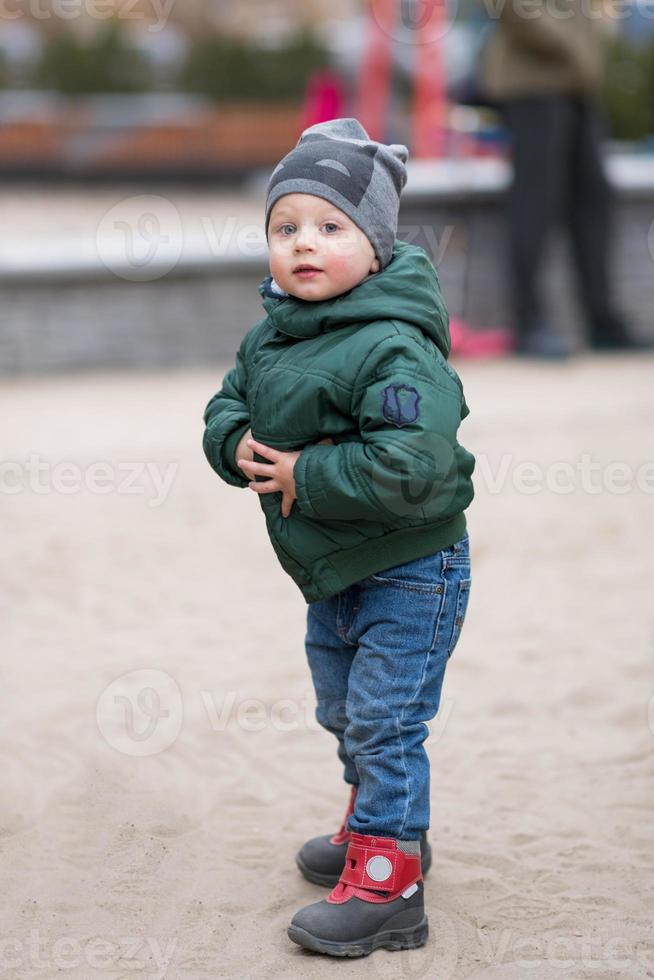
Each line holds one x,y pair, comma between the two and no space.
397,156
400,151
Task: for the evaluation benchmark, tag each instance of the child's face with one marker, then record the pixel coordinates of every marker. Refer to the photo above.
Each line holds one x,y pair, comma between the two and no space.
305,230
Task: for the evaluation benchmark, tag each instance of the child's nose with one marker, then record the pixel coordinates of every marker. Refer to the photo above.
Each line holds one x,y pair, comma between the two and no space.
305,237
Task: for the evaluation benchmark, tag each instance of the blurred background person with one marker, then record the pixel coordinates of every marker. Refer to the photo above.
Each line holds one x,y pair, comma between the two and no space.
544,67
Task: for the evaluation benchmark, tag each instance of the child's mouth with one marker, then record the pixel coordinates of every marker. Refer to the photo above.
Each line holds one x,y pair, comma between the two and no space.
307,272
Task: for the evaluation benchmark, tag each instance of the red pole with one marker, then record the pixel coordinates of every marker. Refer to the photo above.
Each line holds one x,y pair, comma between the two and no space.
430,97
376,68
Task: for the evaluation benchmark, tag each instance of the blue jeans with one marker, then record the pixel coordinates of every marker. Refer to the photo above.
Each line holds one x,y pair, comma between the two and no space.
377,653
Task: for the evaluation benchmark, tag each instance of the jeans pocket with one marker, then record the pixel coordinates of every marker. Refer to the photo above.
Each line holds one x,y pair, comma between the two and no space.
463,595
457,555
421,574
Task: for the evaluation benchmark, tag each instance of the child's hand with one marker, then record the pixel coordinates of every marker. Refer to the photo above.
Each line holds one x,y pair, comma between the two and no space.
280,470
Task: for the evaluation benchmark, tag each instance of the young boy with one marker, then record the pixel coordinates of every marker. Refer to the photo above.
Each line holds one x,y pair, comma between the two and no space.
354,409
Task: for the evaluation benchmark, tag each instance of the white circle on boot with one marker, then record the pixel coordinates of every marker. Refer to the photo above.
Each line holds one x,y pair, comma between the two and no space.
379,868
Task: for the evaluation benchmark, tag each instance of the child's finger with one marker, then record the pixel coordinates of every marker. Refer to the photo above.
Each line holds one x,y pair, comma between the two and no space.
270,487
251,467
264,450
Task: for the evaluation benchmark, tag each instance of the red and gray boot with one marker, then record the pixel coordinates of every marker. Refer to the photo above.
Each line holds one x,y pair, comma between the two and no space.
378,902
321,859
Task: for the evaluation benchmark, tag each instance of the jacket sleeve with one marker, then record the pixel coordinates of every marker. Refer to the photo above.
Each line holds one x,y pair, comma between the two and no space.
226,418
405,466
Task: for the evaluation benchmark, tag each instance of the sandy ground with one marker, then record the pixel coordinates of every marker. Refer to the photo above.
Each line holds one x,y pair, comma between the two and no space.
160,761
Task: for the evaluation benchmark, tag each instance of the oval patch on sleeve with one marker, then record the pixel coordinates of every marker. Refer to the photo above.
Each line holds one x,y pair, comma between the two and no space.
400,404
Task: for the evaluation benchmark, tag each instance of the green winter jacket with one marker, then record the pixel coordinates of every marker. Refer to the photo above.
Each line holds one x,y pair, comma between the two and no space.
368,368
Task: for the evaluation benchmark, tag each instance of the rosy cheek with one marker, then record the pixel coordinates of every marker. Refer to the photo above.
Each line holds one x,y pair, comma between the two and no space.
341,265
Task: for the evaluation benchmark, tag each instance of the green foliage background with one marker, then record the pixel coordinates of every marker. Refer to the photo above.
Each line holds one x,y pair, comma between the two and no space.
629,90
229,70
221,68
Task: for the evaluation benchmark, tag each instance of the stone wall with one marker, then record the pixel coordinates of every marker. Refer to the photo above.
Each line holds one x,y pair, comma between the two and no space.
197,318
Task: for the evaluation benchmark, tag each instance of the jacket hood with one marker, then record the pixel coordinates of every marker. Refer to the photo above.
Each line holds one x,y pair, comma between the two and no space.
406,289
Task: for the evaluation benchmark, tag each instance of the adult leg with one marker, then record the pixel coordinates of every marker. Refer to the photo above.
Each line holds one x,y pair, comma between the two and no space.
541,133
591,216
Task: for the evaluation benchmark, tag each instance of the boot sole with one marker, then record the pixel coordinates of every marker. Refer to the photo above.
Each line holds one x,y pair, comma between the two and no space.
392,939
329,881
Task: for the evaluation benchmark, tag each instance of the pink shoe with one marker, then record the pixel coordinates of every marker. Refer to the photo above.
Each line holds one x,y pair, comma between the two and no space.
468,342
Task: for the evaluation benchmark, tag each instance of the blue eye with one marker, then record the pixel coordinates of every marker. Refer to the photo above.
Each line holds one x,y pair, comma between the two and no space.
283,227
331,224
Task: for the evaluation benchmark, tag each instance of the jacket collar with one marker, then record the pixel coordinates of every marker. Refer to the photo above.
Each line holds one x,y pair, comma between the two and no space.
272,289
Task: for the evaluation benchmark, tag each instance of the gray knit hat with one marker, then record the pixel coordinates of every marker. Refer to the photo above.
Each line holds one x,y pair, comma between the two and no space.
338,161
